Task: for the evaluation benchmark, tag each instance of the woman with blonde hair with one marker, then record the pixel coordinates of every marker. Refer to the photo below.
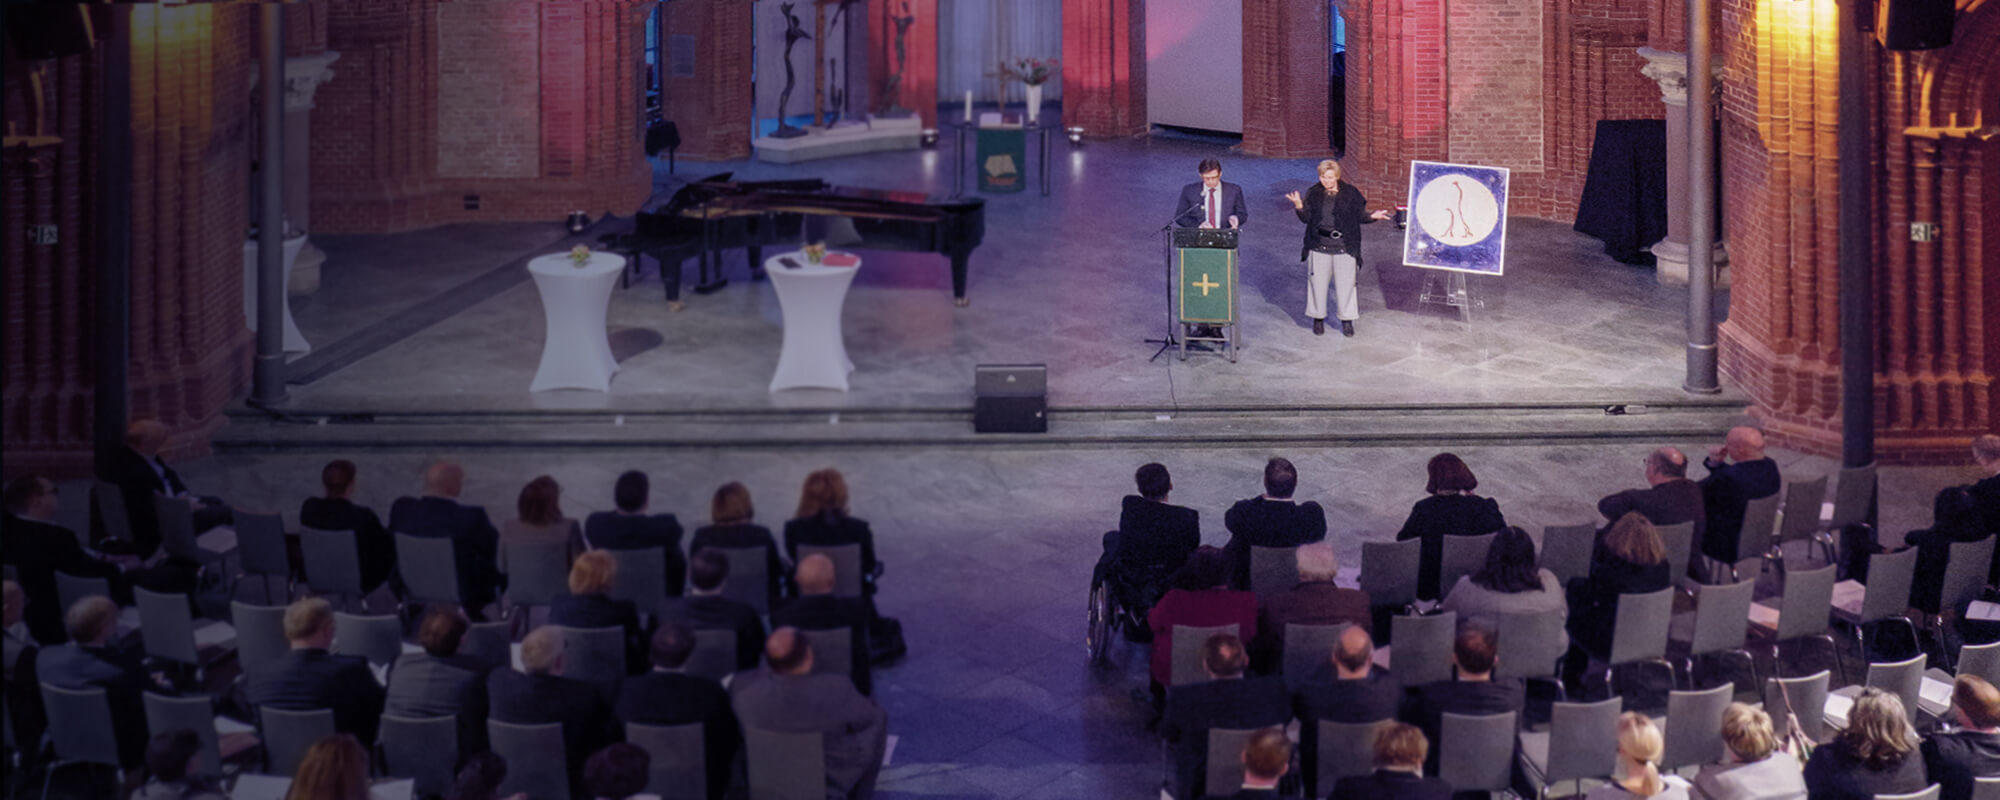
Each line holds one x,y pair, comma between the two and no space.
822,521
589,604
1333,211
1874,755
1756,769
334,768
1640,747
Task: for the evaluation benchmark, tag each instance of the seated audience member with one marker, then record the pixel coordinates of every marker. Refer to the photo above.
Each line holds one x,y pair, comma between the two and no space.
1754,768
822,521
1315,600
170,770
1953,759
730,515
474,543
1267,756
1874,755
1201,598
334,768
541,520
1668,499
1738,472
816,609
22,696
617,772
1510,583
438,681
337,511
669,696
1228,700
789,698
1640,747
589,604
1355,691
90,661
1270,520
1448,509
1634,561
479,778
631,528
1154,538
1474,692
37,549
308,677
139,473
539,695
705,609
1959,514
1400,753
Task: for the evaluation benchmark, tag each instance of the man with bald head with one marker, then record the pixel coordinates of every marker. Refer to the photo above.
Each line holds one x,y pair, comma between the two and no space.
1349,688
475,542
140,473
1738,472
817,609
1668,499
789,697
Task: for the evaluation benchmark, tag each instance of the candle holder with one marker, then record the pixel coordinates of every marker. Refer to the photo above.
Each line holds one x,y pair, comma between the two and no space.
929,137
1075,133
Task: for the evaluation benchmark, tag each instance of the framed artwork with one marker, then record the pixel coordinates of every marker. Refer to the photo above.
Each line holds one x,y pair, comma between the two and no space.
1457,218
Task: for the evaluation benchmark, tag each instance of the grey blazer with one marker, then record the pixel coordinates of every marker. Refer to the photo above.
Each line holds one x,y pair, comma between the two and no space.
1777,777
855,728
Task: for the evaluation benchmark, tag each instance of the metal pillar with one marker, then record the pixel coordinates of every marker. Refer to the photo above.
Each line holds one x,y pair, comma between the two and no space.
1857,284
1701,362
267,382
111,311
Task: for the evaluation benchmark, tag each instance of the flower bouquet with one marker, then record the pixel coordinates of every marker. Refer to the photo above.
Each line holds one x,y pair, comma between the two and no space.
815,252
1031,71
579,255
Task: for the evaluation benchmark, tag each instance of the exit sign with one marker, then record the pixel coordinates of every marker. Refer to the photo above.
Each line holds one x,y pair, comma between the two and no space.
41,234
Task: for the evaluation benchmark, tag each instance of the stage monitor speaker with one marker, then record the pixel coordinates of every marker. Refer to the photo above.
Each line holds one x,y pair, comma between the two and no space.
1917,24
48,30
1010,398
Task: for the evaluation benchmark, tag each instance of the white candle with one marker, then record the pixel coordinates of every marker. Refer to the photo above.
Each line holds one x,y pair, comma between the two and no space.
968,105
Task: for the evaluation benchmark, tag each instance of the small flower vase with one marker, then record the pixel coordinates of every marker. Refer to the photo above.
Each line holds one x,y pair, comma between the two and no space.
815,252
1034,102
579,256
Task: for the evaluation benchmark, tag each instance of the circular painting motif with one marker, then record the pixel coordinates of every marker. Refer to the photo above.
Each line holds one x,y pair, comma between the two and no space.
1457,210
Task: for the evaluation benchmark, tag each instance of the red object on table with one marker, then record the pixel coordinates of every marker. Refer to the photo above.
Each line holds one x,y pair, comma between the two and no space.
840,260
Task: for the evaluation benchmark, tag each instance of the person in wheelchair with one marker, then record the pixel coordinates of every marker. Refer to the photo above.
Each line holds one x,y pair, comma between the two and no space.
1154,538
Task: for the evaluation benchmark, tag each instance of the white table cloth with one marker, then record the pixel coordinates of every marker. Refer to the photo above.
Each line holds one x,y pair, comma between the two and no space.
295,342
577,352
813,355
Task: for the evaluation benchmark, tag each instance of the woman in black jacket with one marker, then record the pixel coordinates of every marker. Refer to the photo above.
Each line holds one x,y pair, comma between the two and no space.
1451,509
1875,755
1632,561
590,605
822,521
1333,211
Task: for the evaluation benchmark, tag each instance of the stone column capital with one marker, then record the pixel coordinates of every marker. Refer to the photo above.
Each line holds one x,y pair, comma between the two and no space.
303,75
1670,70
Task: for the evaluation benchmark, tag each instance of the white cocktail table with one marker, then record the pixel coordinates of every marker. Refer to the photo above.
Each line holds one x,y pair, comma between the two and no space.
813,355
577,352
295,342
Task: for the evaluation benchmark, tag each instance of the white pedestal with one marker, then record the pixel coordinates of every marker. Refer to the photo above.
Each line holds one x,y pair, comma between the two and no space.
295,342
847,138
577,352
814,355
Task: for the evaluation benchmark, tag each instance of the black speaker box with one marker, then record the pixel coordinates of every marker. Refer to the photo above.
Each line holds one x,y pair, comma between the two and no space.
1010,398
1917,24
37,31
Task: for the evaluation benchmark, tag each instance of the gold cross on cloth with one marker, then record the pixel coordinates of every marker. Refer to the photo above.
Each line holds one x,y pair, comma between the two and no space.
1205,284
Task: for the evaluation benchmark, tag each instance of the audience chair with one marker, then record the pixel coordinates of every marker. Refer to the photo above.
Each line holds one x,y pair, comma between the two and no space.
1422,652
168,630
1463,555
1798,521
749,582
70,588
642,578
714,654
1224,773
260,634
537,573
429,569
1719,615
1753,541
833,652
1853,497
490,643
196,713
1307,648
1389,572
785,766
178,539
1566,550
1476,753
847,577
1964,577
80,730
593,654
1187,643
1807,605
536,761
423,749
332,562
1804,697
1531,644
1272,570
1345,749
260,539
1929,793
112,516
679,768
1581,742
1693,727
1679,541
1639,632
1982,660
1901,678
1885,598
1986,789
378,638
288,734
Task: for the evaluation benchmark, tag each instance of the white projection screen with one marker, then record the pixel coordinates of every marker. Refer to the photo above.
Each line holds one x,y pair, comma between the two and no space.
1194,63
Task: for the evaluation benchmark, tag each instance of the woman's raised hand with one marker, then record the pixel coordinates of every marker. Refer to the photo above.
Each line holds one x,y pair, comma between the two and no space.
1296,201
1382,215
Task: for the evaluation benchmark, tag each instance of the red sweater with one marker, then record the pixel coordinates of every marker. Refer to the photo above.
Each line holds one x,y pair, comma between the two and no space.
1203,609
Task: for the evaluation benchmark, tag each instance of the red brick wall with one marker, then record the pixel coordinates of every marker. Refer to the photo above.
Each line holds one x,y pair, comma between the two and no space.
1284,78
1104,66
712,108
490,57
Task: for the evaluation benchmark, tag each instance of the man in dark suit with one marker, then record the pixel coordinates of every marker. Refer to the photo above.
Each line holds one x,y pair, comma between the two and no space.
1267,756
475,542
139,473
1354,691
539,695
1153,539
1271,520
440,682
816,609
38,548
669,696
788,697
1400,753
337,511
631,528
309,677
705,609
22,692
1229,700
1738,472
1668,499
1474,692
1211,202
90,662
1314,600
1953,760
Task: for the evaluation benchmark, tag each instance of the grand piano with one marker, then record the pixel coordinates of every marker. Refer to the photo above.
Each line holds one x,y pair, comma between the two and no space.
714,214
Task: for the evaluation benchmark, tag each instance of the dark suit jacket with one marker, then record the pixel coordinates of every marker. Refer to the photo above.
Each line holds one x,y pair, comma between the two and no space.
137,483
830,531
1388,783
22,688
377,548
1154,538
1194,709
1441,515
714,612
599,611
1268,523
1426,706
1953,760
825,612
1323,697
38,550
1191,209
1724,494
1349,213
745,535
581,706
1833,773
854,728
1251,794
309,679
1670,503
611,530
423,685
671,698
1308,603
475,542
123,679
1593,600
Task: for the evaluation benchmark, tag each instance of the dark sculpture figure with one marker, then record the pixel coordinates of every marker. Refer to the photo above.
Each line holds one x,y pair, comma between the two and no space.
793,33
903,24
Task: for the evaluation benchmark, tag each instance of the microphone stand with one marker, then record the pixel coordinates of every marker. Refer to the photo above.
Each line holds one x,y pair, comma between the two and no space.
1167,260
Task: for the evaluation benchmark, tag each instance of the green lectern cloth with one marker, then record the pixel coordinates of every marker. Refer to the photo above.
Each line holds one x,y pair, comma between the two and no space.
1002,159
1207,284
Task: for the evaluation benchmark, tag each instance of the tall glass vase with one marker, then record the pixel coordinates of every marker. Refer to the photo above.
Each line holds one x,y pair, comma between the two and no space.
1034,102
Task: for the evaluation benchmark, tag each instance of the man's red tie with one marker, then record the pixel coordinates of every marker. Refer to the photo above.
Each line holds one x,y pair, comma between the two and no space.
1212,208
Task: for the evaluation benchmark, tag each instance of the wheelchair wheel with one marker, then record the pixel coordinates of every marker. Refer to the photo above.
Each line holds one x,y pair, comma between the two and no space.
1099,619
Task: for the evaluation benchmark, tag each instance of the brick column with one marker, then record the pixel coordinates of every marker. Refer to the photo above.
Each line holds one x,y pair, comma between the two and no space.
1104,66
712,106
377,170
1285,50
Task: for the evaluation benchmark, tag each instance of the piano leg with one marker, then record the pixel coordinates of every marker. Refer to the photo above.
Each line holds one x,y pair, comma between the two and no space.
958,259
670,274
711,273
756,253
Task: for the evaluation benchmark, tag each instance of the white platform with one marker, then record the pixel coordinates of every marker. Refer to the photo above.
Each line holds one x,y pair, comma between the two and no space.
848,137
